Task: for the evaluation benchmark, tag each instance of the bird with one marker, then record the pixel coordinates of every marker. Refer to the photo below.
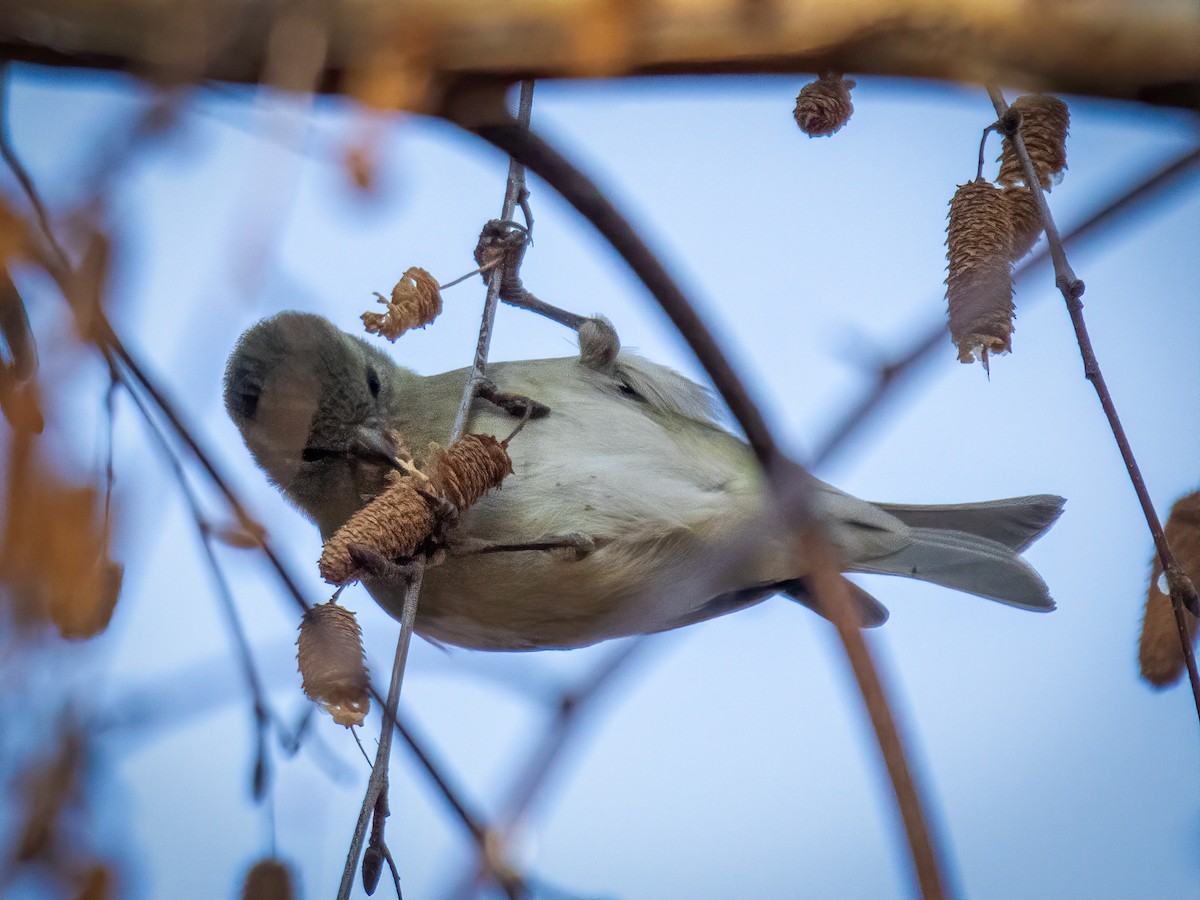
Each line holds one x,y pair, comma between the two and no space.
656,515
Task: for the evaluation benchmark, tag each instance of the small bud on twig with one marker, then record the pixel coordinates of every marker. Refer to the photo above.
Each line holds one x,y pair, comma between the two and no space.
330,657
979,285
1043,127
1160,652
416,301
823,106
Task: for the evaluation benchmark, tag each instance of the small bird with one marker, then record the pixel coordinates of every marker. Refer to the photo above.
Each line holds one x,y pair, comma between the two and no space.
663,517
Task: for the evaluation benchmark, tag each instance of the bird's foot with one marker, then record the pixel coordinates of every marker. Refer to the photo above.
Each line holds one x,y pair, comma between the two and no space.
577,545
514,404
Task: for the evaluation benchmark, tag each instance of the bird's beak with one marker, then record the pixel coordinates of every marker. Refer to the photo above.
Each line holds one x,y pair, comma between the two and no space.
372,444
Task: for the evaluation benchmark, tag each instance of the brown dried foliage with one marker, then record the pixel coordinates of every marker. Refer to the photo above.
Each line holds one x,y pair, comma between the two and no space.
979,286
823,106
1160,651
416,301
268,879
54,557
1043,128
332,665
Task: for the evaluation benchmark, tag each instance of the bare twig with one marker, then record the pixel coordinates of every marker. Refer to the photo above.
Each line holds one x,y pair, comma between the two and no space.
261,708
891,374
408,614
790,482
546,753
9,155
1183,592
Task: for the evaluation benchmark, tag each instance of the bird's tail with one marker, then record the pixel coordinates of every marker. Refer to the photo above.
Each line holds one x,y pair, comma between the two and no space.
974,547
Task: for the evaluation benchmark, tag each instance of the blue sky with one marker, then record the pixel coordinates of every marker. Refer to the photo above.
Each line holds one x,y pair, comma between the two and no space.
733,759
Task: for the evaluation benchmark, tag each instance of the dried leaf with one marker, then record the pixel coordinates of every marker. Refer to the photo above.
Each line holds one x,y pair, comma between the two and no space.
54,556
416,301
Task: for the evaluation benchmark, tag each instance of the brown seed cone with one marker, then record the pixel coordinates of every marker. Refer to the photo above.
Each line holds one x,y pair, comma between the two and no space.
392,525
1159,651
330,658
823,106
1044,123
1026,221
468,468
979,285
269,879
416,301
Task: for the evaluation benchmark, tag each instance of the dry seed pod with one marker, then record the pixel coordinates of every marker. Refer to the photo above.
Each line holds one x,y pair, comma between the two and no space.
416,301
1159,651
1043,128
979,286
392,525
468,468
823,106
1026,220
269,879
330,657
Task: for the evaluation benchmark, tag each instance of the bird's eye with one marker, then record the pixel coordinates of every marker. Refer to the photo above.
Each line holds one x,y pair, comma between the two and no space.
373,382
631,393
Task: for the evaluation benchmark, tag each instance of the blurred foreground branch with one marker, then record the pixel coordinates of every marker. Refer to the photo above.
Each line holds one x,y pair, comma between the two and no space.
410,54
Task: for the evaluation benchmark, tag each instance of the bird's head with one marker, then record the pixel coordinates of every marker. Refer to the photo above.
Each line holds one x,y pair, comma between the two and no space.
310,402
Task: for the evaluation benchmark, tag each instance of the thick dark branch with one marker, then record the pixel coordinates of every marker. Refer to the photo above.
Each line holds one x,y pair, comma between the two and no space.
404,53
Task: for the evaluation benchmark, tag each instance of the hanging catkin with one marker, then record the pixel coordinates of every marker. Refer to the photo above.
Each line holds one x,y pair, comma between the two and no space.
1026,220
979,285
1160,651
1043,128
330,657
392,525
823,106
399,520
416,301
468,468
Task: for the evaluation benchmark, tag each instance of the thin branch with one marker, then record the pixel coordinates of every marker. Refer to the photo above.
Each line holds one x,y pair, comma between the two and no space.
791,483
514,190
1183,592
9,154
261,708
893,373
565,722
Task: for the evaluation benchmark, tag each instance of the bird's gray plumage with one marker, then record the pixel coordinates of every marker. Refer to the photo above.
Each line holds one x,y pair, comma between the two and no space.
630,456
